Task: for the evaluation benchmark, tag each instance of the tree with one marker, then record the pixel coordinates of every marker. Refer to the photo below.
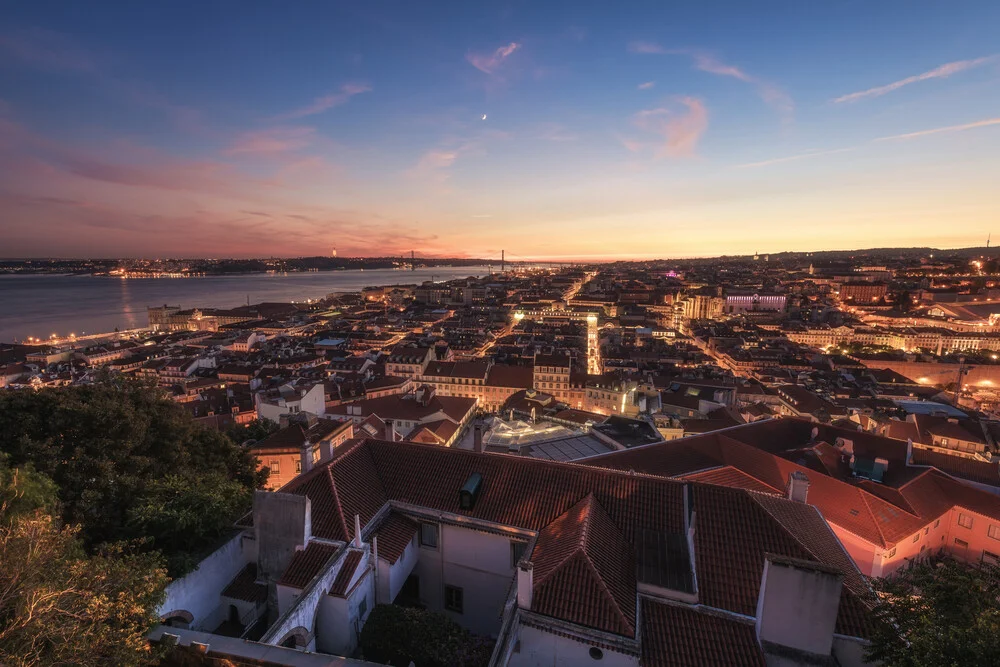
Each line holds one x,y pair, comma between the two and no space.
57,604
110,449
938,615
398,635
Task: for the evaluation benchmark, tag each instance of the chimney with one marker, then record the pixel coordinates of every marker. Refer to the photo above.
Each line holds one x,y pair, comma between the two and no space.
525,583
797,605
909,451
390,430
357,530
798,486
325,449
477,437
306,456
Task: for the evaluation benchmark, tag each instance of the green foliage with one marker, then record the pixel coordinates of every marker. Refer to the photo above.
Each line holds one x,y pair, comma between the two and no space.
24,491
258,429
398,635
117,448
57,604
938,615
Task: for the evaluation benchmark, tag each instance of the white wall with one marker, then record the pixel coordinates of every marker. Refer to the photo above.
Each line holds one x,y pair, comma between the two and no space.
339,621
392,577
477,562
542,649
198,592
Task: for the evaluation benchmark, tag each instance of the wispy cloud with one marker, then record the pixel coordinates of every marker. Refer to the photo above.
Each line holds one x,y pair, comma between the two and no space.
271,141
640,46
940,72
326,102
793,158
489,62
769,92
646,86
896,137
940,130
46,49
680,128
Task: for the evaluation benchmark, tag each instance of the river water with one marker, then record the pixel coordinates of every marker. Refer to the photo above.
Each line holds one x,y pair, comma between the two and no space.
42,305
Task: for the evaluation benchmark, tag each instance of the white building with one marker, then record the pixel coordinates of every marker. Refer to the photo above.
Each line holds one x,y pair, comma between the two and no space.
290,399
562,564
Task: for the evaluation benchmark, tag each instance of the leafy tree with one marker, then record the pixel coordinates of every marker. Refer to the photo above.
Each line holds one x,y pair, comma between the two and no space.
398,635
938,615
116,448
57,604
258,429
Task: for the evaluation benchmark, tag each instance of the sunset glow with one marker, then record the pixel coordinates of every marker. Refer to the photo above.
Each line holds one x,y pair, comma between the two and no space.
460,129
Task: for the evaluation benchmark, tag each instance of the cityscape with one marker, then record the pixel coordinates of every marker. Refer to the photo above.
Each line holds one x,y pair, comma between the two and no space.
520,336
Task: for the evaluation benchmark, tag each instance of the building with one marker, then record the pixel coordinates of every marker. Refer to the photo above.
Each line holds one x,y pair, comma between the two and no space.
289,399
561,564
551,375
300,445
885,501
409,414
739,302
862,291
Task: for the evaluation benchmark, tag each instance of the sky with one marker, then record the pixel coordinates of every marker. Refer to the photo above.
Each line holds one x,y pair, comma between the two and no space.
551,130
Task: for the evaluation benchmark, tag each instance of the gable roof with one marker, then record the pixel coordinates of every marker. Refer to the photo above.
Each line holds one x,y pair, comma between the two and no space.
530,494
582,563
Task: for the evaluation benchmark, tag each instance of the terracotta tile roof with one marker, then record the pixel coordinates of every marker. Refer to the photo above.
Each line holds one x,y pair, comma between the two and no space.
681,636
340,583
306,564
733,531
975,471
730,476
244,586
395,533
583,566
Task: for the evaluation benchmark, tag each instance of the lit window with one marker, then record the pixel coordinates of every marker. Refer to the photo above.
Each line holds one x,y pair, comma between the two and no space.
453,599
429,535
965,521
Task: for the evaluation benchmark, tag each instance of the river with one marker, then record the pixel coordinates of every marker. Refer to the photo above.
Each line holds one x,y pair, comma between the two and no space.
42,305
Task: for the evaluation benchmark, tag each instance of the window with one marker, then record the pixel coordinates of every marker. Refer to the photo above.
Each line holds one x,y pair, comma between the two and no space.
944,442
298,466
363,607
892,552
596,653
453,599
937,523
916,537
429,535
517,550
993,531
965,521
961,543
991,558
926,531
275,466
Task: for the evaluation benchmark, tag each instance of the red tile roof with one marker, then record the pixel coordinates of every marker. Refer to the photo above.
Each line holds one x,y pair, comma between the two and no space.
681,636
733,531
306,564
395,533
244,586
346,574
583,565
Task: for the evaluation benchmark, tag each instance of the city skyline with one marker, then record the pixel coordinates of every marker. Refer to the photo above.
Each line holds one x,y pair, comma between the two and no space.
556,132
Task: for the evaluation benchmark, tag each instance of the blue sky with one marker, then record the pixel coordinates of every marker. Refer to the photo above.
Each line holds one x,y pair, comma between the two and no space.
611,129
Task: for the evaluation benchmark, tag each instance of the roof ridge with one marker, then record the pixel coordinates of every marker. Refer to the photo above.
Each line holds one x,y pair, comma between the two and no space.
579,547
864,498
607,591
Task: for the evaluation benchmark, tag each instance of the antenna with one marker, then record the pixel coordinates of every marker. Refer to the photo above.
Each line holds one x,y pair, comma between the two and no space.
988,240
502,261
